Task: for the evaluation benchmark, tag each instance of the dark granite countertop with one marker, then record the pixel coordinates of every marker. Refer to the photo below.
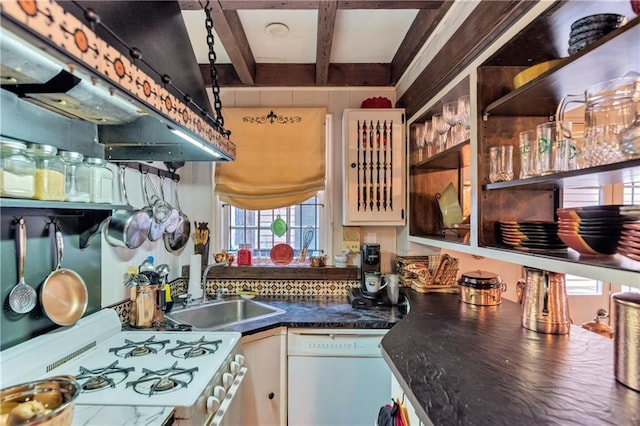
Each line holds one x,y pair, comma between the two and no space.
320,312
461,364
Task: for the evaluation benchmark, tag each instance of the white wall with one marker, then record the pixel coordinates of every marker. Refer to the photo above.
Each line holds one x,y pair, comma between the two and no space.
195,200
335,100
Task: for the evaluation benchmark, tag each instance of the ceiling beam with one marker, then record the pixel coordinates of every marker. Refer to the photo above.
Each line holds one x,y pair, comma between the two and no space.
389,4
419,32
314,4
326,24
297,75
482,27
232,36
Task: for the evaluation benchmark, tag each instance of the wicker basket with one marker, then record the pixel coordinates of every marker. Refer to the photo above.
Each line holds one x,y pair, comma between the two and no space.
425,274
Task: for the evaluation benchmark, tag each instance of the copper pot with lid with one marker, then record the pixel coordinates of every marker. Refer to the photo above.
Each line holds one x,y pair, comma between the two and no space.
481,288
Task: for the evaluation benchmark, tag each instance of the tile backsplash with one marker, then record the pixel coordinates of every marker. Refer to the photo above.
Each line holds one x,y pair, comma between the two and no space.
262,287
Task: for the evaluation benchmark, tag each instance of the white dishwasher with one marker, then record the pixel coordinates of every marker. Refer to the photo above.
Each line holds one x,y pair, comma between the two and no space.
336,377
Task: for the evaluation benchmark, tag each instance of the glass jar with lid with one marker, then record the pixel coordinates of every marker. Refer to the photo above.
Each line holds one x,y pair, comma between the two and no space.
50,172
244,255
17,170
101,181
77,177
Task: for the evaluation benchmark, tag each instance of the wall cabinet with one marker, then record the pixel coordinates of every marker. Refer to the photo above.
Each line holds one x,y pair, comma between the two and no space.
502,112
432,173
264,396
374,167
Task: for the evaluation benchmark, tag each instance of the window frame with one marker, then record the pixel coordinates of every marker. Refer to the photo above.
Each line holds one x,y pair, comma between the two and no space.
324,237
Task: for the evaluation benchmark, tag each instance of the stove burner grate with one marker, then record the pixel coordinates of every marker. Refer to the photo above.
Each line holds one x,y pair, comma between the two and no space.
195,349
145,347
101,378
164,380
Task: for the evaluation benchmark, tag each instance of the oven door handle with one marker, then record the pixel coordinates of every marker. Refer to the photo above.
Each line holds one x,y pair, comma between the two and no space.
229,414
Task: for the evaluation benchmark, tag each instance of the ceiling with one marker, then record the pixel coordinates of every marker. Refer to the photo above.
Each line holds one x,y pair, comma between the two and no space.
313,42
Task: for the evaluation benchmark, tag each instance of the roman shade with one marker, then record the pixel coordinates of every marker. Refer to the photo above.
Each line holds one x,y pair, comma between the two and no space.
280,157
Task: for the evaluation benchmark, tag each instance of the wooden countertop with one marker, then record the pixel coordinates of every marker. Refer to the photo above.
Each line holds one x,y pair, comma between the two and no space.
462,364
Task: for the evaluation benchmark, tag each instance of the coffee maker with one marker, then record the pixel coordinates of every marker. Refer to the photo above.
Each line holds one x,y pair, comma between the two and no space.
370,261
359,296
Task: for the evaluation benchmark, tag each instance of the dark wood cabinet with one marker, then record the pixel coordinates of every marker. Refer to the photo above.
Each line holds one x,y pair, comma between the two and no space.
502,112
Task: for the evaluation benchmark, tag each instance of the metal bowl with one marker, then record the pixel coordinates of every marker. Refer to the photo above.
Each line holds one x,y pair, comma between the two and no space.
42,402
316,261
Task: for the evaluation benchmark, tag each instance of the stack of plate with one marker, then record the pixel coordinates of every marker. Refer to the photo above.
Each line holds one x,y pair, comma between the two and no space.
592,230
587,30
629,243
531,236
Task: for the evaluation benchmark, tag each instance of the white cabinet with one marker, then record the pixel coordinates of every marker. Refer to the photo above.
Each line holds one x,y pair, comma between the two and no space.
374,167
264,393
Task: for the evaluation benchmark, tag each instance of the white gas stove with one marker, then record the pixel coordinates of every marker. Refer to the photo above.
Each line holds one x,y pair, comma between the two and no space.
198,373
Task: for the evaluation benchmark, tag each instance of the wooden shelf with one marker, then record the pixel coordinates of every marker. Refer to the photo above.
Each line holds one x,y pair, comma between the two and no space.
611,262
56,205
592,176
608,58
292,272
447,238
453,158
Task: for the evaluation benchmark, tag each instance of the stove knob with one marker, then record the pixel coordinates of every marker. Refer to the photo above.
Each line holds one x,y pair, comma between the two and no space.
227,380
219,392
239,359
234,367
213,404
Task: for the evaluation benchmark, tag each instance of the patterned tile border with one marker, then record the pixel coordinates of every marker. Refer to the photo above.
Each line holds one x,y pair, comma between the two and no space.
283,287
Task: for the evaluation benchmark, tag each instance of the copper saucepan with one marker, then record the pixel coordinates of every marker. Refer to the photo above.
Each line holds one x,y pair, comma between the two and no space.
64,296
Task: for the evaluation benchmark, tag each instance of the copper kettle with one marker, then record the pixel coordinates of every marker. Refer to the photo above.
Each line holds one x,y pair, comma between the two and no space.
545,306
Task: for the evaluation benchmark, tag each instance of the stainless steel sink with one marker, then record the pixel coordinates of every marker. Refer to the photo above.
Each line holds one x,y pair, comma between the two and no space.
215,315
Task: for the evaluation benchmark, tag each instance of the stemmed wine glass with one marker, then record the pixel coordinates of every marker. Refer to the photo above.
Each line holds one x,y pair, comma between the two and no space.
464,116
441,128
450,114
417,134
420,140
428,137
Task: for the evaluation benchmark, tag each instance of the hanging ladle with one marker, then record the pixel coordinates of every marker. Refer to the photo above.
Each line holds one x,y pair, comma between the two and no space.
23,297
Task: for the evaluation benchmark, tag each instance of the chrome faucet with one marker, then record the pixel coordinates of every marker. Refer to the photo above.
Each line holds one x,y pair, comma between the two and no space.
204,277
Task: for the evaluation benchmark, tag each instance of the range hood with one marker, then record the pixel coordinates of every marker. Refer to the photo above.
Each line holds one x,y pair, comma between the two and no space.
51,59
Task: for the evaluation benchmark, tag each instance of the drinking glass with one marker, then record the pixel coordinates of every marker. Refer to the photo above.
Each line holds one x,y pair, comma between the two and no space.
429,137
441,128
603,124
545,138
560,148
450,114
420,140
501,163
527,153
464,115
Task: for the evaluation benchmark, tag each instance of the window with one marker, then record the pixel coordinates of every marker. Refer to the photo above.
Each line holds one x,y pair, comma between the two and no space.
254,227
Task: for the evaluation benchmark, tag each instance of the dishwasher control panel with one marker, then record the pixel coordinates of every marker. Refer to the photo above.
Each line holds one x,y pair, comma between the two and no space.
335,342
